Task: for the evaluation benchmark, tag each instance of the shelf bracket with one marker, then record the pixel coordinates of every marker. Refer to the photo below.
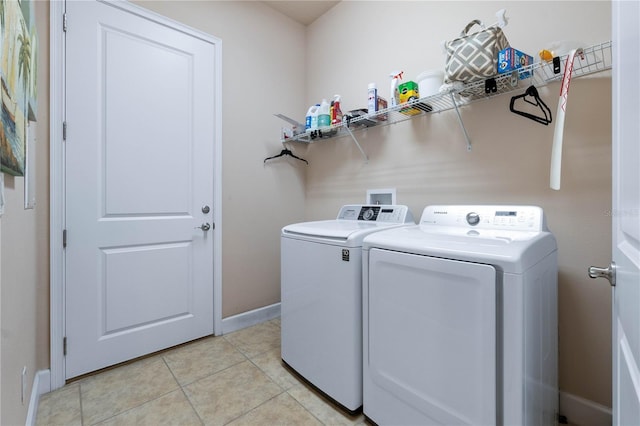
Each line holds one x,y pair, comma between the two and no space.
464,130
366,159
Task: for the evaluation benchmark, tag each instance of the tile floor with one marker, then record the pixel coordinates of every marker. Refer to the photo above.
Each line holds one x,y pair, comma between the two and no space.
235,379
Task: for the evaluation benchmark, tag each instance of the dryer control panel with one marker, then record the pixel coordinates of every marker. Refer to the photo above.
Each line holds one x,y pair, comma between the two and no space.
376,213
515,218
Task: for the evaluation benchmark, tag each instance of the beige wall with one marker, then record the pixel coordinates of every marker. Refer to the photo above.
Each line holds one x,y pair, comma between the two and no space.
426,158
273,65
263,72
24,264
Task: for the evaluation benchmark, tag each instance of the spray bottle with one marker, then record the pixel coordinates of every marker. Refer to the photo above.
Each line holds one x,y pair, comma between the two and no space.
336,112
396,76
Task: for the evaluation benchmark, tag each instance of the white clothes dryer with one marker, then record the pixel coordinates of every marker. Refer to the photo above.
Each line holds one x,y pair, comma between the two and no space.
321,297
460,319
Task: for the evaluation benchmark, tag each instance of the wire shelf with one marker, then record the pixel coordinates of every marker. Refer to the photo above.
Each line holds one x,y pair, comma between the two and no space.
594,59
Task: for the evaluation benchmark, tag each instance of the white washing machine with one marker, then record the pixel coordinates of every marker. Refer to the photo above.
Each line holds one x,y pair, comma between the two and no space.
321,297
460,319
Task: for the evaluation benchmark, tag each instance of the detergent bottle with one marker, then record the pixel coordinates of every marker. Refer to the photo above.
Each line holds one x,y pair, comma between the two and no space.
311,119
396,76
324,117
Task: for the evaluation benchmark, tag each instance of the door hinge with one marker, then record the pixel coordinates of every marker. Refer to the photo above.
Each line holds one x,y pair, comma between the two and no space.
64,346
64,238
64,22
64,130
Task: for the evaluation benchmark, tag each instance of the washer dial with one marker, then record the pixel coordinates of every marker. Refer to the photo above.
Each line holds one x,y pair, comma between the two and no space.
368,214
473,218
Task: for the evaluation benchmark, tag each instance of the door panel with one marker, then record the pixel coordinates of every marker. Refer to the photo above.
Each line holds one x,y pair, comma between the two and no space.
132,278
139,166
139,129
626,213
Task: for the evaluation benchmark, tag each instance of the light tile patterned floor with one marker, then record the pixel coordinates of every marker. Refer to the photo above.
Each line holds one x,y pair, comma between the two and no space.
236,379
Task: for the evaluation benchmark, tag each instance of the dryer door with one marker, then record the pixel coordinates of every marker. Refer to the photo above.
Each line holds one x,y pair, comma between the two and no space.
430,341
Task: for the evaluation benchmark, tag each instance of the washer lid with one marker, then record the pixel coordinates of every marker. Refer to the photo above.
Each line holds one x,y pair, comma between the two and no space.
353,223
340,231
513,251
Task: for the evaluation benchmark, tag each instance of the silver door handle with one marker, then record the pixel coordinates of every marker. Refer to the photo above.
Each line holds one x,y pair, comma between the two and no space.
609,273
205,227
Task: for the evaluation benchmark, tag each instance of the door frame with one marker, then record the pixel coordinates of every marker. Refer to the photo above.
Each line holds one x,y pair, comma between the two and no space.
57,175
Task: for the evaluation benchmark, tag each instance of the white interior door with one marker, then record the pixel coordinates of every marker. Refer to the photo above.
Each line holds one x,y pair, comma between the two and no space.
626,213
139,171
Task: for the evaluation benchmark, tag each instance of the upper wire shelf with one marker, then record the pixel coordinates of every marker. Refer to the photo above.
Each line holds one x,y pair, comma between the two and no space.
595,59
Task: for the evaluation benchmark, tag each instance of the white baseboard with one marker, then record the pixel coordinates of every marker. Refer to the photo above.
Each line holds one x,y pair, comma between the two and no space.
41,385
249,318
582,412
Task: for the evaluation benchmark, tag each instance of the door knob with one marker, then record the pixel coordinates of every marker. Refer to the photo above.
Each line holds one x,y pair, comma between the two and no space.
609,273
205,226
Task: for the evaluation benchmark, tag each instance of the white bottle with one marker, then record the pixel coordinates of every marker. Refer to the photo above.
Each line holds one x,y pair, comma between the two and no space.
308,118
373,98
324,118
311,119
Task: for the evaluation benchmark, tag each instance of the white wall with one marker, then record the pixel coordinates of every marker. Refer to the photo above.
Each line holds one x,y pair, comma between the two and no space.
358,42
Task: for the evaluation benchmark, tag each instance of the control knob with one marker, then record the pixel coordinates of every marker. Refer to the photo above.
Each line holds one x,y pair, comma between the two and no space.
473,218
368,214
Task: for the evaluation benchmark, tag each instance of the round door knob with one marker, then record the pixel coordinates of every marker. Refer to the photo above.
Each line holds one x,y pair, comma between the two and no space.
608,273
205,227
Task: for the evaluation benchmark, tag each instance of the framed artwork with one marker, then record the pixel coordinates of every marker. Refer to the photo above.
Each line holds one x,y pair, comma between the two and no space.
18,91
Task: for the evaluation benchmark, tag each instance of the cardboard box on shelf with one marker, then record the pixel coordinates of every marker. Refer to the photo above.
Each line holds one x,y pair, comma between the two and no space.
510,59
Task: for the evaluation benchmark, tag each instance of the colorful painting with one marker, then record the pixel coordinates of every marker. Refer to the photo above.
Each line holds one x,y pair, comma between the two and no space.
18,71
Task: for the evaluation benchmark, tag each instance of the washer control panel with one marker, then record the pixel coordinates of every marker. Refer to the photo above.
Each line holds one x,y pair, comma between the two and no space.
522,218
376,213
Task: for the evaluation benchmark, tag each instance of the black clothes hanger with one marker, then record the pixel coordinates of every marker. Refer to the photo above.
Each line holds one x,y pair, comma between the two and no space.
532,92
286,152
